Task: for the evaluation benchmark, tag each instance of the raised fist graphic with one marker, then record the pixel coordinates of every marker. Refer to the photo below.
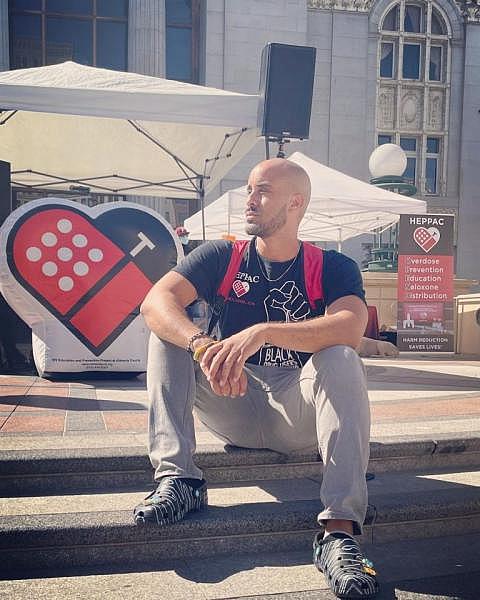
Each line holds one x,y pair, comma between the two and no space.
286,304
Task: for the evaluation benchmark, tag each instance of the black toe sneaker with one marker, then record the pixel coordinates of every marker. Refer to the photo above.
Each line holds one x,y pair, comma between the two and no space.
171,501
348,573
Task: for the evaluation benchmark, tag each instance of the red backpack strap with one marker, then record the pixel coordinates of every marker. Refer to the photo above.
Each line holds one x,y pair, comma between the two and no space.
238,250
313,269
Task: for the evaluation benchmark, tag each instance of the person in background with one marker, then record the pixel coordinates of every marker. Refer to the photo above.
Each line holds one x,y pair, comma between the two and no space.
183,234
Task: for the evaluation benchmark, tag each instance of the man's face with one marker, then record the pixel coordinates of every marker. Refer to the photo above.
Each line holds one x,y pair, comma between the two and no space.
266,209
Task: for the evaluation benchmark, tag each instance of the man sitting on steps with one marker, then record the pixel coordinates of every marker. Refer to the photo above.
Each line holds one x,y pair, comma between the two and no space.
283,374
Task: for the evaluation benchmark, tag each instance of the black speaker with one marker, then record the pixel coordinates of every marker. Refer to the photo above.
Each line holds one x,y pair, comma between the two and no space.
5,191
286,88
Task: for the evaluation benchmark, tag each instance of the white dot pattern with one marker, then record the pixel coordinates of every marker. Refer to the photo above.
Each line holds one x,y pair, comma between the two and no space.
80,268
65,284
49,268
64,254
49,239
95,255
64,226
34,254
79,240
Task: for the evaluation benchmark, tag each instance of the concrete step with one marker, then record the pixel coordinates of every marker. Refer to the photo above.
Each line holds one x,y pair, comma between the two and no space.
42,471
445,568
96,529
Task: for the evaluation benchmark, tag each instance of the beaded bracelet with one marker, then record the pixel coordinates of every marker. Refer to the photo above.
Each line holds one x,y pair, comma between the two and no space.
195,336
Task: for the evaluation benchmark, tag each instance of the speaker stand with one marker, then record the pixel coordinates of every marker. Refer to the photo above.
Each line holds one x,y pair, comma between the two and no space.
281,143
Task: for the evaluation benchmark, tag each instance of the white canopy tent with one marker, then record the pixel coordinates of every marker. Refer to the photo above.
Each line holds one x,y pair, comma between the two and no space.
341,207
119,132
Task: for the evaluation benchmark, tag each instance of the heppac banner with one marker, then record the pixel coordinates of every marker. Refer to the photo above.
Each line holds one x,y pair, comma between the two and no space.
425,283
77,276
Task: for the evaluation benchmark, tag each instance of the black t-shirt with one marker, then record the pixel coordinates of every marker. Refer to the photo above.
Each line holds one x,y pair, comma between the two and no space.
267,291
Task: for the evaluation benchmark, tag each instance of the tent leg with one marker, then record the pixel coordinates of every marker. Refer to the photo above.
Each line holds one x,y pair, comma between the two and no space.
201,196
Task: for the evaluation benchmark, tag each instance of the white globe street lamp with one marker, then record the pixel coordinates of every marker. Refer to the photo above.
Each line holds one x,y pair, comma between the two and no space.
387,160
387,165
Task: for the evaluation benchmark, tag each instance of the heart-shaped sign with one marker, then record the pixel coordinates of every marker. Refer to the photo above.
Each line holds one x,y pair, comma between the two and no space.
426,238
89,268
240,287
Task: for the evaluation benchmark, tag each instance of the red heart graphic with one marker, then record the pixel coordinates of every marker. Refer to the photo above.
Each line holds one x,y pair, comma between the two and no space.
424,239
62,256
240,287
89,282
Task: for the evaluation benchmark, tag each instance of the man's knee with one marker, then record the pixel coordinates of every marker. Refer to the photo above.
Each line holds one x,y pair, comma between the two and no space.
160,351
339,368
336,357
340,382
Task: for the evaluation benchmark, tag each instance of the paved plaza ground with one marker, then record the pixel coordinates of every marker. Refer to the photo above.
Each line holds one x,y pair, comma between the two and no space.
416,402
422,396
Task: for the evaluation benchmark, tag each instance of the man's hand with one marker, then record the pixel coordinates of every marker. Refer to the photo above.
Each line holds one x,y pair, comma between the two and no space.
230,388
369,347
223,362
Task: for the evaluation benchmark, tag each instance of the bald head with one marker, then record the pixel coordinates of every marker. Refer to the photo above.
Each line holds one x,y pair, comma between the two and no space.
293,178
278,195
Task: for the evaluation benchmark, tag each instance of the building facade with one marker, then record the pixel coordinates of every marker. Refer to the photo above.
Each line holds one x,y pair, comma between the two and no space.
402,71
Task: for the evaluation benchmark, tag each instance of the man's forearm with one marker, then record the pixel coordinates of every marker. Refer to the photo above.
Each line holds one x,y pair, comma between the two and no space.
168,320
164,312
315,334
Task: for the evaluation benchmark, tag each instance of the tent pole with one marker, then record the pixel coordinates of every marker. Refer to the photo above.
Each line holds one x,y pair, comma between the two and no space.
228,215
201,195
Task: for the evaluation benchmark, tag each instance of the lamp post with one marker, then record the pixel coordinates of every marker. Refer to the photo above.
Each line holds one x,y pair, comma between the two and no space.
387,165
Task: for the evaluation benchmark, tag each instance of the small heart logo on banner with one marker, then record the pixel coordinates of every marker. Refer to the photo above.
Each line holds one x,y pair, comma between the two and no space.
240,287
426,238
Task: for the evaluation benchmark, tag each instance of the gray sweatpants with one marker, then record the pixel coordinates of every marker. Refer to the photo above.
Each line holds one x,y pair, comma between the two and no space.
324,405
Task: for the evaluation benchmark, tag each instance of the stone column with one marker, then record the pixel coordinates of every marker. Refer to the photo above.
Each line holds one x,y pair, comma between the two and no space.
468,242
146,55
4,50
146,37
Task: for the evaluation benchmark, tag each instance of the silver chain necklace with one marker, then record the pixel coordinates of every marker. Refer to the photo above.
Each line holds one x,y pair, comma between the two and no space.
287,269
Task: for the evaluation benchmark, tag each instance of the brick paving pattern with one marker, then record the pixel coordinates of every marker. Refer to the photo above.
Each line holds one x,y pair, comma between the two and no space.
33,406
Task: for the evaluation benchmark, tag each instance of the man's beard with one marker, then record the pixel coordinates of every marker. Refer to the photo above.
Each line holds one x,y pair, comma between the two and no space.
264,230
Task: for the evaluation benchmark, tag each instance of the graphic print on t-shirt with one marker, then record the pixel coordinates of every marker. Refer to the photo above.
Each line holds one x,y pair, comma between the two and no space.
285,304
241,287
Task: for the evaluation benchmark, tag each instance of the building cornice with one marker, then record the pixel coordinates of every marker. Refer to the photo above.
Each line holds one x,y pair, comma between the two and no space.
469,9
348,5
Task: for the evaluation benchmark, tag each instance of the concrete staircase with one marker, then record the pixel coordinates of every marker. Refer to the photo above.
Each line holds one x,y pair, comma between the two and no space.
69,509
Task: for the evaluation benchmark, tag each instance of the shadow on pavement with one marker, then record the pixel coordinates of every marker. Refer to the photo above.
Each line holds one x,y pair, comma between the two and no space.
389,377
465,586
72,403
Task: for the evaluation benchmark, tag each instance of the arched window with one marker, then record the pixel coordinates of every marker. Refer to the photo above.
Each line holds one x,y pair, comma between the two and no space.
413,89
